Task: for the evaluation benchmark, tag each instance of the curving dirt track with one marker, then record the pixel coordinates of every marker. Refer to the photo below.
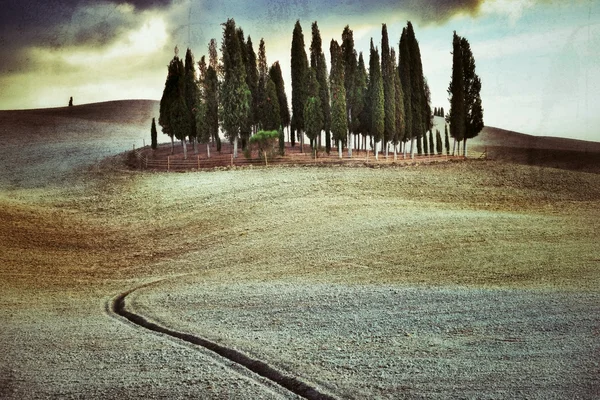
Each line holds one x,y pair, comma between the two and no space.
476,279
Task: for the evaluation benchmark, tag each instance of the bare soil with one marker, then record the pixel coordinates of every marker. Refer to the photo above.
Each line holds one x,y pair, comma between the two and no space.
471,279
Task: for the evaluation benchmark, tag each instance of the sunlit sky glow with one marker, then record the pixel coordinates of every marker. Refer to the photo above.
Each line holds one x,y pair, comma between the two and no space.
539,60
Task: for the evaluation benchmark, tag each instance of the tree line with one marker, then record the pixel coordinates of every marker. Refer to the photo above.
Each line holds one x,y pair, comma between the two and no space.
386,107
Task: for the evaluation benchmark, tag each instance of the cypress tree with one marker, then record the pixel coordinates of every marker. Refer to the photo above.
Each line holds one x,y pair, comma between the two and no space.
299,63
212,93
399,134
236,96
438,141
339,120
252,82
404,73
456,91
350,82
246,126
277,77
271,114
192,94
431,143
360,100
389,90
472,84
418,101
319,66
376,99
425,144
174,115
313,115
447,141
153,135
263,76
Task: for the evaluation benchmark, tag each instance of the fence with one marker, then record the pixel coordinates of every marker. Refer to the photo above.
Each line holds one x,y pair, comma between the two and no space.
174,163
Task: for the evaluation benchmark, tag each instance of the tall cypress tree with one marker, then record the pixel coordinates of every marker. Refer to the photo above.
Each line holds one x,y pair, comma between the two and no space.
271,116
319,66
376,99
174,115
405,79
446,139
360,109
192,94
400,131
339,120
418,101
313,114
350,71
389,90
299,62
456,91
252,82
236,96
263,76
472,86
438,142
277,77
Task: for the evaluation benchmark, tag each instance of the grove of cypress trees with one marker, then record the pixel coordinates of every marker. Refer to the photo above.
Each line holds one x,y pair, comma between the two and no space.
173,114
299,62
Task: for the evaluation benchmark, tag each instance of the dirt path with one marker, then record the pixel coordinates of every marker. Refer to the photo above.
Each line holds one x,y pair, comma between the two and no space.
118,306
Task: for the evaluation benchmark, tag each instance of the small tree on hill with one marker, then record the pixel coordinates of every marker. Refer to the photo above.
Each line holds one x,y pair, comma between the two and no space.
153,135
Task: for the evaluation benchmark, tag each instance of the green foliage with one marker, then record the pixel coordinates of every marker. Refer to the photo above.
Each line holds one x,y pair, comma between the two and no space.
153,134
277,77
271,118
264,141
281,142
339,120
431,143
299,65
252,81
350,79
456,91
446,139
235,96
211,97
389,88
405,80
399,134
172,93
419,104
360,110
438,141
191,91
319,67
376,96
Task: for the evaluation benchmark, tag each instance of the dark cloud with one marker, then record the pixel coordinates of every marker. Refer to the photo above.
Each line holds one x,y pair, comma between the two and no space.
63,23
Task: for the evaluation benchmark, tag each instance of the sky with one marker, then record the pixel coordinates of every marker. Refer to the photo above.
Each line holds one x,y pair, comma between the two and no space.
538,60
